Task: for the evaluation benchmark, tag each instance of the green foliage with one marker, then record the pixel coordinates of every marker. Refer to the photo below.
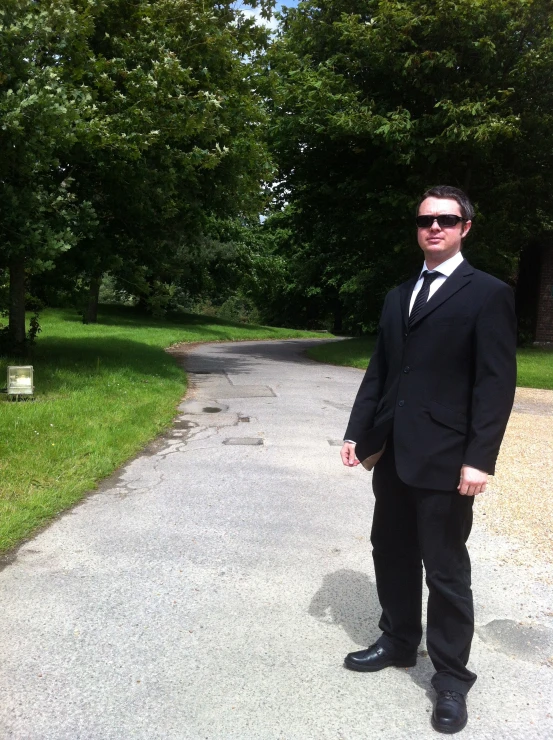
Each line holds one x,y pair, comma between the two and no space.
133,143
127,128
175,140
372,102
40,114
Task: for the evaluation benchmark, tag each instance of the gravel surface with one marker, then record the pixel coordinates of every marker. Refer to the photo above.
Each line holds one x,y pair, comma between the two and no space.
519,502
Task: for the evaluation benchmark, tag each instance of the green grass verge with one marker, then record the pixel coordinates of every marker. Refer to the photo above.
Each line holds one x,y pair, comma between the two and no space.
535,364
350,352
102,392
535,368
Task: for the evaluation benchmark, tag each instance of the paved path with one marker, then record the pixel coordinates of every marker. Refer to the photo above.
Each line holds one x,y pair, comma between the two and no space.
212,589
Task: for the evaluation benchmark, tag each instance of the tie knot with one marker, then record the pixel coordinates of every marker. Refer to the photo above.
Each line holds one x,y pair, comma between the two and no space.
429,276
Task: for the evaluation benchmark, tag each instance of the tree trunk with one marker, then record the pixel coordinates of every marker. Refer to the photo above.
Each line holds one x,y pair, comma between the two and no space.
337,323
91,310
17,304
528,289
142,305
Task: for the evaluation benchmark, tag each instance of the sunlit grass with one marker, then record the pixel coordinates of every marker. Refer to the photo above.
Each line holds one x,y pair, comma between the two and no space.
535,367
102,392
350,352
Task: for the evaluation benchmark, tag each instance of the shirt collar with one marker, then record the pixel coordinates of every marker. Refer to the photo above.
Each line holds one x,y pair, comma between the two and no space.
447,267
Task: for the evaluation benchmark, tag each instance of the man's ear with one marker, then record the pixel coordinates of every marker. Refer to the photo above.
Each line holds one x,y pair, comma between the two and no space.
466,229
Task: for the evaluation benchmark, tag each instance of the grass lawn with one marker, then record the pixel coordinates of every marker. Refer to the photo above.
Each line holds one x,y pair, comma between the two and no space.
102,392
535,364
350,352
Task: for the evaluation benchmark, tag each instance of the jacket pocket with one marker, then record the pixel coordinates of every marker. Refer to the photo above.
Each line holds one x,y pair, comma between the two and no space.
449,417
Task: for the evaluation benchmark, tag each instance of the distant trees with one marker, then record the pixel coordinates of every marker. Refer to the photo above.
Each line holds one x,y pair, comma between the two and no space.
140,139
126,128
373,101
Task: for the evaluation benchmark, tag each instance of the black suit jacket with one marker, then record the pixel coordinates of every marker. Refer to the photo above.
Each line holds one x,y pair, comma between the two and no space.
443,387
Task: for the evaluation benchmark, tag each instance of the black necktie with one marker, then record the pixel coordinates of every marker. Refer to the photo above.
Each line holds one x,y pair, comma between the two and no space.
422,296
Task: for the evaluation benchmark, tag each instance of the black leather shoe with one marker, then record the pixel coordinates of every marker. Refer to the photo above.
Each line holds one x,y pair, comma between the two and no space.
450,713
375,657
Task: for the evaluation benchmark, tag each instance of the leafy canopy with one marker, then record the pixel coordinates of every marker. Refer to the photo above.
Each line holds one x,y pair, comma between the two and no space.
373,101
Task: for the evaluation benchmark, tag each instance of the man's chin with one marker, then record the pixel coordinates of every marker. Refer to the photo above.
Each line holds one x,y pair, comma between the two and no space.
434,251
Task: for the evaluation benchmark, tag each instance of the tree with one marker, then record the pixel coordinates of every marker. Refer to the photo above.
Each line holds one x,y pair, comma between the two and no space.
174,142
373,101
40,114
128,127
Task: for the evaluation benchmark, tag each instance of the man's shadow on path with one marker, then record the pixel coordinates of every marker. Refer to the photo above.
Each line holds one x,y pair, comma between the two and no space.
349,598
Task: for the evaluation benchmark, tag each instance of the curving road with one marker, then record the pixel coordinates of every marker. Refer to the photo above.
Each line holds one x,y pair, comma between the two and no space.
212,588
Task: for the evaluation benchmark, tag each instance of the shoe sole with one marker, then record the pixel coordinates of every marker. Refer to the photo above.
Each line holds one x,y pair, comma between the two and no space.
448,730
410,663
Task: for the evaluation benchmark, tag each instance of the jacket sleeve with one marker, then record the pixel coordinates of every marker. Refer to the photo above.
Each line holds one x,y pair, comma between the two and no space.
370,390
495,374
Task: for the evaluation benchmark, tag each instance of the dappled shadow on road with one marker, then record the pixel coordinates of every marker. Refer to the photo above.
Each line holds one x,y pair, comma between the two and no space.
241,357
289,350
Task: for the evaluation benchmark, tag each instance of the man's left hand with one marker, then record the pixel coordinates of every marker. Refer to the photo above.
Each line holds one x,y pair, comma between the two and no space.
473,481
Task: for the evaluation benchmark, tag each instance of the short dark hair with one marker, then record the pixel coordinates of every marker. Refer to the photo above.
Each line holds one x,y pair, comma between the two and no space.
448,191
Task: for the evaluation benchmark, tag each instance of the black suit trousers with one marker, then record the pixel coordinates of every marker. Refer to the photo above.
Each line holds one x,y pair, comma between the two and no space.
412,527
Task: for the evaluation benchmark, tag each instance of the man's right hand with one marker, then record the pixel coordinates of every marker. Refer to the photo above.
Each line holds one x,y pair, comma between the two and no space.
347,453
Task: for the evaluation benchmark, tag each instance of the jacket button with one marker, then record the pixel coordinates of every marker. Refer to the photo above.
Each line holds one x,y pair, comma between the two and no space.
407,369
401,403
406,335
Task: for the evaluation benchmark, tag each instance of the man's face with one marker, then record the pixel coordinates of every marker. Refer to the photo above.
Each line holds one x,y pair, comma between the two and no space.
439,244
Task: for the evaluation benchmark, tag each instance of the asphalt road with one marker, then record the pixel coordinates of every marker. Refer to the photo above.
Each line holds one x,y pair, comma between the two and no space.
212,588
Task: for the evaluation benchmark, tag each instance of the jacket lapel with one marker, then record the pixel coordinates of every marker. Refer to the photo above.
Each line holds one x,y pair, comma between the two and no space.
405,291
460,277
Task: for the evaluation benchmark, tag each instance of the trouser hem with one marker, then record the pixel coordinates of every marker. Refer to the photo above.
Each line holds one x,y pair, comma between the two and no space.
443,682
397,650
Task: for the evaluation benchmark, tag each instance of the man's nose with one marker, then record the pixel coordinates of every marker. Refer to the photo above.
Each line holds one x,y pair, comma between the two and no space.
435,225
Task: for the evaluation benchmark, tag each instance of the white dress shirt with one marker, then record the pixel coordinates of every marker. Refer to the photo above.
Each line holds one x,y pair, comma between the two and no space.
444,271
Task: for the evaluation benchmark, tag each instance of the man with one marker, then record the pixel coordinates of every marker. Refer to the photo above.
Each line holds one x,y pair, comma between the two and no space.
437,393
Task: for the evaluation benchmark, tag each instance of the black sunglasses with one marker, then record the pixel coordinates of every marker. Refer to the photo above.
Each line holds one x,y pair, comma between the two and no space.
445,221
